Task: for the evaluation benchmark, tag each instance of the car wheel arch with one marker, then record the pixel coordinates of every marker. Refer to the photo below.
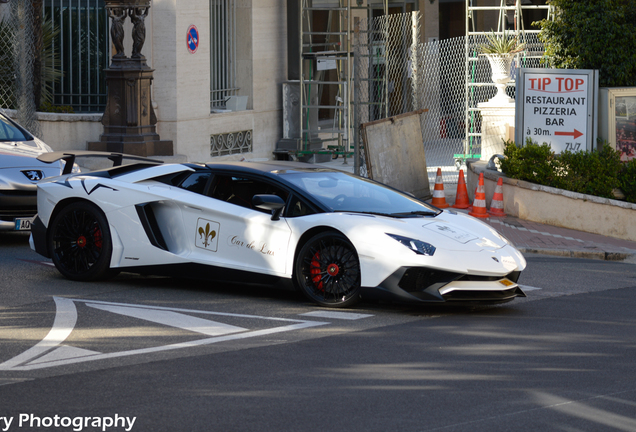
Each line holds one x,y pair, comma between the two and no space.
65,203
311,233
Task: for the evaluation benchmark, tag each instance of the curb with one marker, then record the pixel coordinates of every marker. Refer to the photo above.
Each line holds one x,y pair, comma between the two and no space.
604,256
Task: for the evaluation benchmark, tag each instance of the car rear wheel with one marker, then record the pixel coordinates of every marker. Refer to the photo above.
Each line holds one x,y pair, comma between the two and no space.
80,242
327,270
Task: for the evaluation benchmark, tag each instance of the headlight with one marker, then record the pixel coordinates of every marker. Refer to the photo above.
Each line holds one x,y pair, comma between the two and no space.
417,246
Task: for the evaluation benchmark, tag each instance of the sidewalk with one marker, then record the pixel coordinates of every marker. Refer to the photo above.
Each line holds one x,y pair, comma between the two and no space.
533,237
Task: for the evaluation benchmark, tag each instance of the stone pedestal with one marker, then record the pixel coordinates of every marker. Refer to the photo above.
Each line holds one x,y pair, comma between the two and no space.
129,119
498,116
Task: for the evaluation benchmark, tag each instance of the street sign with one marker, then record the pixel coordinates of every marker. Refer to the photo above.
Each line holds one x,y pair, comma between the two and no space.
192,39
558,107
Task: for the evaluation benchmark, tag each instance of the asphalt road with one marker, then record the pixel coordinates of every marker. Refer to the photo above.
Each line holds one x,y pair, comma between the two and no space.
177,355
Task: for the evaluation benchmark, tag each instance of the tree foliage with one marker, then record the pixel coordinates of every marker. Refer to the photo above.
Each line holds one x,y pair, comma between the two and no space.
593,34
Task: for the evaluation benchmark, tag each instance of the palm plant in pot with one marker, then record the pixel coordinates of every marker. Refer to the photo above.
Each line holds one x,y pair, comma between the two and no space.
500,50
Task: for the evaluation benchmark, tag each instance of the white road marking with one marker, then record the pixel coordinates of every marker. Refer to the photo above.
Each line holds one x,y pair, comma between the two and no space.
336,315
50,353
63,352
65,319
172,319
528,288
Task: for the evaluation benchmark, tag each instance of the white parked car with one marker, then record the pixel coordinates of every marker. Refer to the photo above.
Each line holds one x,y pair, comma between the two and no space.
332,235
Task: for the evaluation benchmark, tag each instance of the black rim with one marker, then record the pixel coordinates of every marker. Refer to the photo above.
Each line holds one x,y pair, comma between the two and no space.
330,270
77,241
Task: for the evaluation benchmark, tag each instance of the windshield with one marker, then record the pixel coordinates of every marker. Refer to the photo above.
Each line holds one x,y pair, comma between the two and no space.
342,192
10,132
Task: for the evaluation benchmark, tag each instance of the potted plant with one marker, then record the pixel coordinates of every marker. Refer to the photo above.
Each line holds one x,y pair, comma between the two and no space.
500,50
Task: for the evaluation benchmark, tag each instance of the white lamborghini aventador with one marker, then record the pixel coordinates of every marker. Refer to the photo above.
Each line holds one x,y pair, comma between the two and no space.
332,235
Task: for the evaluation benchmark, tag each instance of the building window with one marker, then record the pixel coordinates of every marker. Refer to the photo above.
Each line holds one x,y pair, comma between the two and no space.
81,50
223,81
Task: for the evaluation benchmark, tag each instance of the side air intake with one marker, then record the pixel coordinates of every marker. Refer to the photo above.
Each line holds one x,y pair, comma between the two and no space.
151,227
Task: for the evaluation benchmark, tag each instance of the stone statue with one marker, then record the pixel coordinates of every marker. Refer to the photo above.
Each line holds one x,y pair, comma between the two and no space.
118,16
137,16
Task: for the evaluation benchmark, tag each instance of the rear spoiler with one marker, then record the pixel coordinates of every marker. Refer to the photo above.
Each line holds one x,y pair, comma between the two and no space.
69,158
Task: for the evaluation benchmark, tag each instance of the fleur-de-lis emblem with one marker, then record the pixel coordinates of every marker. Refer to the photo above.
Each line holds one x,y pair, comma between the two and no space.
205,234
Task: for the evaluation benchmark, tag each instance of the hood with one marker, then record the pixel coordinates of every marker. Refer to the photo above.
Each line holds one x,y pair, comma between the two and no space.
22,153
449,230
464,232
18,164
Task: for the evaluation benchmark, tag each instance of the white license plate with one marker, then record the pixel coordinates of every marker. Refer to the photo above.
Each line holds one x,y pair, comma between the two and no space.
23,224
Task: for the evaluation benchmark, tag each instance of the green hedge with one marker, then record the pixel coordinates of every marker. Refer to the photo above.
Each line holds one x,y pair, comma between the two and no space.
596,173
628,181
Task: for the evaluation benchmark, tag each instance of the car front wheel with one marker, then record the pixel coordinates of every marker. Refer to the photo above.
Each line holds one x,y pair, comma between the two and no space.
80,242
327,270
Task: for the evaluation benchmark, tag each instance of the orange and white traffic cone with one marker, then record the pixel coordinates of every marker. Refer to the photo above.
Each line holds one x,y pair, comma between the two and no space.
479,203
497,205
439,198
461,197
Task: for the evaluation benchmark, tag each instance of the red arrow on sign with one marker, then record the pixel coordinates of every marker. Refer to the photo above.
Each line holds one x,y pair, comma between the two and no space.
574,134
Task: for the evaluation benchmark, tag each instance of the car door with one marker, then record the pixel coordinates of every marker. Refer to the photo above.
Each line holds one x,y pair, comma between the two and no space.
224,229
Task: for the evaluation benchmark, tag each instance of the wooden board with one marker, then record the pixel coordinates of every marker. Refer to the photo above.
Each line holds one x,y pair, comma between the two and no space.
394,153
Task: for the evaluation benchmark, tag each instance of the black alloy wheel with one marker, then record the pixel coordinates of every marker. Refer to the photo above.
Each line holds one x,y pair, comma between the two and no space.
80,242
327,270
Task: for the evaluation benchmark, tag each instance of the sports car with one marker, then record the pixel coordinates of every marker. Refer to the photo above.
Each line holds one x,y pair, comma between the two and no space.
332,235
19,173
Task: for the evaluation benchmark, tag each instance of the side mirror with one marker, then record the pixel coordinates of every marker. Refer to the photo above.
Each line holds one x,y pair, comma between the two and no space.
272,203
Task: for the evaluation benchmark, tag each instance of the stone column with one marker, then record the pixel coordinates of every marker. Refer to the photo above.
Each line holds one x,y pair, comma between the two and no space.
497,125
498,113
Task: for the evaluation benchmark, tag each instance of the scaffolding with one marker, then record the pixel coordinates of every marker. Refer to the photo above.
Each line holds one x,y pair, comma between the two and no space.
326,77
509,21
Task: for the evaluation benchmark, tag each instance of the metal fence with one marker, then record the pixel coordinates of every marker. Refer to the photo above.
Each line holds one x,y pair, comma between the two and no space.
384,49
81,49
17,60
63,47
394,75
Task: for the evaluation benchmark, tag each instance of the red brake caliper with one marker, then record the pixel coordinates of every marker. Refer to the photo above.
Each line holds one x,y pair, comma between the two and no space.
98,238
315,271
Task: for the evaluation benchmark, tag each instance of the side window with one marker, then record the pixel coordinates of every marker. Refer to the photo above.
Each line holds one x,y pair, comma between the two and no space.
298,208
195,182
8,132
240,190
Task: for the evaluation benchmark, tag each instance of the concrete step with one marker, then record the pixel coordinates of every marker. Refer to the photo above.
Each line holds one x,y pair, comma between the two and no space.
93,164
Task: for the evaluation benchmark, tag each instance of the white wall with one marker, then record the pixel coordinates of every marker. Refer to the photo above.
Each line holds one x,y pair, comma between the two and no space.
69,131
181,87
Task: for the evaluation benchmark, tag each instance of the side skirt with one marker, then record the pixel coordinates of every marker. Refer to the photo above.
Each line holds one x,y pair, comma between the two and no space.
212,274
